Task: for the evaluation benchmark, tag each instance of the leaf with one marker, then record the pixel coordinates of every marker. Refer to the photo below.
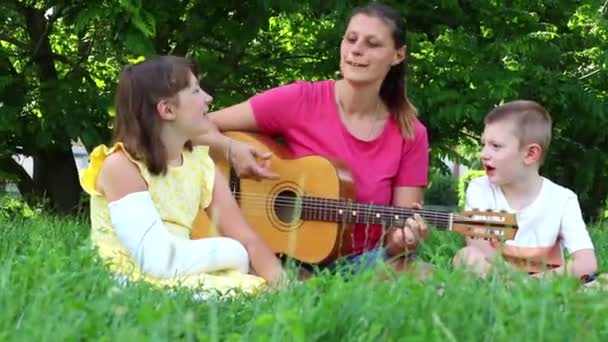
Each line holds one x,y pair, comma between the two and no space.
137,43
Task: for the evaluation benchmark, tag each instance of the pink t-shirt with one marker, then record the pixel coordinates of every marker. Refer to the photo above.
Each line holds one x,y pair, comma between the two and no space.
305,115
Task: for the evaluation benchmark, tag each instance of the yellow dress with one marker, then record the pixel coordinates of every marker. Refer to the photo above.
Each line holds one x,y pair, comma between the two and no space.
178,196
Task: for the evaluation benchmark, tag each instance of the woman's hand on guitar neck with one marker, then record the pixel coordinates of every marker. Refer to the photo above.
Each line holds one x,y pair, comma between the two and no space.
405,239
249,161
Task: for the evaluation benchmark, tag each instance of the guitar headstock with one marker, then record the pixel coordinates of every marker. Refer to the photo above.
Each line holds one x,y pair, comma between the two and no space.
487,224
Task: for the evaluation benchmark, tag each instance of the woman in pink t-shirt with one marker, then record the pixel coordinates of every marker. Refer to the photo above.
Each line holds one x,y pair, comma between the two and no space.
364,119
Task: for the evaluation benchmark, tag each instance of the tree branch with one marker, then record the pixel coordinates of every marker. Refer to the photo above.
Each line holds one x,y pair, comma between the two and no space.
13,41
48,23
469,135
287,57
43,36
589,74
62,58
10,68
207,44
87,53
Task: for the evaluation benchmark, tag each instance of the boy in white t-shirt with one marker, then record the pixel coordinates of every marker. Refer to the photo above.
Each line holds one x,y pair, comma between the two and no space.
514,143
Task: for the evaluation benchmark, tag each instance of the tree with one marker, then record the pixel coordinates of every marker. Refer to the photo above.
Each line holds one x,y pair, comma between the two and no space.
59,61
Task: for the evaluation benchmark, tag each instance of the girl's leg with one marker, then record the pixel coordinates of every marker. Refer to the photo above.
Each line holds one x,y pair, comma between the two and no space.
176,256
217,253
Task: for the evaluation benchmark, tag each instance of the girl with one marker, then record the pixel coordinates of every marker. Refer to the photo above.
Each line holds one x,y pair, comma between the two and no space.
146,189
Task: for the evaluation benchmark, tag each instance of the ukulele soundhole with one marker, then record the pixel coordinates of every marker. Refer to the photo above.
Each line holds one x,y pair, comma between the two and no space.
288,206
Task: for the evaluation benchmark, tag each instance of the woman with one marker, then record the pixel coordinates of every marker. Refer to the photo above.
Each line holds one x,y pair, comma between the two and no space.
364,119
142,199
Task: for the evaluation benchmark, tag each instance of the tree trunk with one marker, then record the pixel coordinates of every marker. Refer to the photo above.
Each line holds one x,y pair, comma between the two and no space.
56,177
42,54
55,172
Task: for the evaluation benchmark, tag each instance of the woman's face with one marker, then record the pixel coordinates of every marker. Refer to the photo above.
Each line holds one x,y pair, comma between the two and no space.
367,51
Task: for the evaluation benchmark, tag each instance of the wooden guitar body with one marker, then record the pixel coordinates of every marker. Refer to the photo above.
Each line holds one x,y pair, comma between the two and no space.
264,203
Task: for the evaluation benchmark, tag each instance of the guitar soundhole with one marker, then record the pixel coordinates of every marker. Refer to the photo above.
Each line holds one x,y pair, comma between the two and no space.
288,206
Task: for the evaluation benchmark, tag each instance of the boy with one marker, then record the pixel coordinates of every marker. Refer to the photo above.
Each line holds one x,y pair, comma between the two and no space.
514,143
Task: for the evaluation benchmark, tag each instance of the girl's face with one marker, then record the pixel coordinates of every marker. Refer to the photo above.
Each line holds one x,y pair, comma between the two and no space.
191,105
367,51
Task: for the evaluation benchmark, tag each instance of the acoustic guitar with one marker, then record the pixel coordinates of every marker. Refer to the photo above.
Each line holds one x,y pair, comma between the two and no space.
309,212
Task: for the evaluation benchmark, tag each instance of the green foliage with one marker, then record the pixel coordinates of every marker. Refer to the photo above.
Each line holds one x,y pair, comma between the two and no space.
14,208
463,184
442,190
500,51
464,59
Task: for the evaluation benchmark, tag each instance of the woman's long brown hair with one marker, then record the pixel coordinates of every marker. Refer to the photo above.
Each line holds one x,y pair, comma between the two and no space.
393,90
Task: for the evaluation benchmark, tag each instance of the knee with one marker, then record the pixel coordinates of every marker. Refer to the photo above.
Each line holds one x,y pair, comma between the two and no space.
237,253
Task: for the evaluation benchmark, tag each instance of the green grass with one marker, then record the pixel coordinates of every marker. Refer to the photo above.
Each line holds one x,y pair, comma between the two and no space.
53,288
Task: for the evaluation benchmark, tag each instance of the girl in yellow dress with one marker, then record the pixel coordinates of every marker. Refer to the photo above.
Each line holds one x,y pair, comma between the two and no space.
147,188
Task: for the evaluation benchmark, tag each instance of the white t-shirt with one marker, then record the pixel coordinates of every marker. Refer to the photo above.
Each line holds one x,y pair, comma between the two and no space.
554,214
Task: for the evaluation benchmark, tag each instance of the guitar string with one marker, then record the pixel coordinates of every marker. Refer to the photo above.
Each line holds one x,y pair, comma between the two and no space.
346,206
365,209
263,201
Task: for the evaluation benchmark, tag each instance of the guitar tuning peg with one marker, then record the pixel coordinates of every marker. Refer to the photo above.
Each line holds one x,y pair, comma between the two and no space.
489,210
503,211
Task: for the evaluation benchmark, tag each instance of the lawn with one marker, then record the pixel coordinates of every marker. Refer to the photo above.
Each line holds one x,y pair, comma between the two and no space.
53,288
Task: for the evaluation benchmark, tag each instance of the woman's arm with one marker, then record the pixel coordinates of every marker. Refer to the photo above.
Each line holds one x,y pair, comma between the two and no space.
238,117
271,112
247,160
410,181
224,210
406,196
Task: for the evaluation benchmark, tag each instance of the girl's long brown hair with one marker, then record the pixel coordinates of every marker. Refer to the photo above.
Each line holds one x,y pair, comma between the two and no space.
137,124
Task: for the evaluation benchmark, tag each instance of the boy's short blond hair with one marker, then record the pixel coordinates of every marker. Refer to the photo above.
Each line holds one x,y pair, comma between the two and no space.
531,120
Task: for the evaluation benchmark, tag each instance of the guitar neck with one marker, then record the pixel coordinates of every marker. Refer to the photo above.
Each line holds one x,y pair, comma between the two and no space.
332,210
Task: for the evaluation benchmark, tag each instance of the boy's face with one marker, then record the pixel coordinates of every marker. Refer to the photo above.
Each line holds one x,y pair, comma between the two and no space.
502,156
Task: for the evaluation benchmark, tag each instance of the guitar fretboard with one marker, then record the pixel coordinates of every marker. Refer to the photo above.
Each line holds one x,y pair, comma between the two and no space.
332,210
